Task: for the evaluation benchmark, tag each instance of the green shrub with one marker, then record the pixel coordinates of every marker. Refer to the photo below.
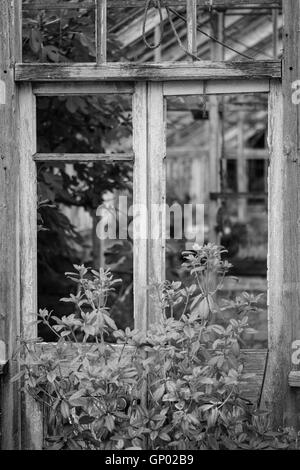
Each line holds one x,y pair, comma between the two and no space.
178,386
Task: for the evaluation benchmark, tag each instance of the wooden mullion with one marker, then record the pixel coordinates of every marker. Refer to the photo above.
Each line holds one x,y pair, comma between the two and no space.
101,31
140,198
156,196
32,417
242,180
215,145
275,33
157,39
191,14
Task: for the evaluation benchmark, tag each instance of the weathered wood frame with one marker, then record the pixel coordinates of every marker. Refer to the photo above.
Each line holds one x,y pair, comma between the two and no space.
152,81
149,152
149,144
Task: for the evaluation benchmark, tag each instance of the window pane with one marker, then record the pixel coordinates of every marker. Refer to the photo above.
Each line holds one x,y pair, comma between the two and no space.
85,124
58,34
217,160
74,200
127,41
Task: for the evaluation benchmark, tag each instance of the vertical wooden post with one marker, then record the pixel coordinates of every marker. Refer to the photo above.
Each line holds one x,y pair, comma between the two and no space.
241,169
214,163
140,199
150,193
156,193
158,50
291,226
101,31
215,144
275,33
32,418
10,52
277,396
191,14
284,229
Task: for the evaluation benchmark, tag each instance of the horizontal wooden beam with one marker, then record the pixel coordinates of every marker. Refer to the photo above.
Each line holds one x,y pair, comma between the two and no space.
181,88
200,152
204,70
91,88
249,154
45,5
256,196
83,157
186,153
216,87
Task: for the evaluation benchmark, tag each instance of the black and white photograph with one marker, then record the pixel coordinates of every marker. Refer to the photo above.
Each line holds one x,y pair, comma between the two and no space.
150,228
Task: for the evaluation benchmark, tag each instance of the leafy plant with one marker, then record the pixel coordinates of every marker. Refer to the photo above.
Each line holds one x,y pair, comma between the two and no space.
177,386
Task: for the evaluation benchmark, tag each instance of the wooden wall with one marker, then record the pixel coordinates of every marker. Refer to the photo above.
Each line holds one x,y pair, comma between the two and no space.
9,215
284,233
284,254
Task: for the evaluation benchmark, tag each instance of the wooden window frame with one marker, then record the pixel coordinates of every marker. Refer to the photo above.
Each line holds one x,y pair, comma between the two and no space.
101,14
150,80
149,188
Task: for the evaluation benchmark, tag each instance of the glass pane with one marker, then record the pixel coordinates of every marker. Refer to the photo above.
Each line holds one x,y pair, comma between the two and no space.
248,34
85,124
130,41
251,32
217,163
79,220
58,34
